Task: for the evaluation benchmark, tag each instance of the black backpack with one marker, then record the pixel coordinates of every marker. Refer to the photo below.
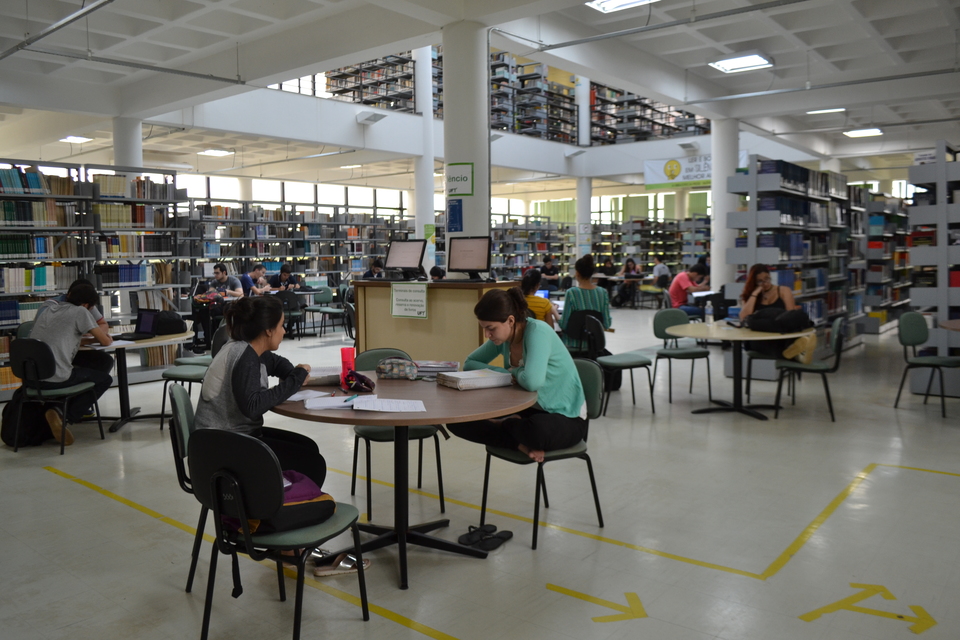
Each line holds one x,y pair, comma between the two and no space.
169,322
34,429
774,320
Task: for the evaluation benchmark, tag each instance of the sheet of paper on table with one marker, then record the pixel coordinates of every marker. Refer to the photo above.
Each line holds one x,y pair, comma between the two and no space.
116,343
388,405
308,393
333,402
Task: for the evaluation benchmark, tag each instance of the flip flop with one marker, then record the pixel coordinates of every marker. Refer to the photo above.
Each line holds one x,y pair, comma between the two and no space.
343,564
476,534
489,543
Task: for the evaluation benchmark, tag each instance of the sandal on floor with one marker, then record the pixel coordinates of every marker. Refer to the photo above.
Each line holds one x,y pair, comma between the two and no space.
342,564
489,543
476,534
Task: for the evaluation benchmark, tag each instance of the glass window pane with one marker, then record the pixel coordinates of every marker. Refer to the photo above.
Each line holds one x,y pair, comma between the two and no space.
221,187
439,202
331,194
306,85
196,186
298,191
360,196
499,205
595,203
266,190
291,85
388,198
606,203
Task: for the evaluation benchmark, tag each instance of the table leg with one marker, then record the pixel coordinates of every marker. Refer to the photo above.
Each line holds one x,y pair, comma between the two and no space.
401,500
737,404
123,388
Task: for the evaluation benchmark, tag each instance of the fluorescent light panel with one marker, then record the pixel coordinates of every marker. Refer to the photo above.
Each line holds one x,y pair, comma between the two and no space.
609,6
75,139
746,61
819,111
351,166
863,133
216,153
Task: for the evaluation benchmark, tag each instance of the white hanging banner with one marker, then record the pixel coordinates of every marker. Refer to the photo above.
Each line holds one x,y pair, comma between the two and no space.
688,171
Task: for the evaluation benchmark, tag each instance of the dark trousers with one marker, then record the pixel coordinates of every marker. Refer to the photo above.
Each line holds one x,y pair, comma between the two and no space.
296,452
208,317
535,429
83,404
97,360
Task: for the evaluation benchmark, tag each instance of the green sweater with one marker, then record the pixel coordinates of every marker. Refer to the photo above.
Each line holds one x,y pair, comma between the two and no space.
546,368
577,299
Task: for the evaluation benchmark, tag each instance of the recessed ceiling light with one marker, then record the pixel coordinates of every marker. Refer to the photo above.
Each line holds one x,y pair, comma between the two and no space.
351,166
609,6
746,61
863,133
437,175
217,153
75,139
819,111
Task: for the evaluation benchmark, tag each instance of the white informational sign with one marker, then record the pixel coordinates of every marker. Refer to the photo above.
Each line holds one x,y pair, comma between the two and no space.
459,177
408,300
925,157
688,171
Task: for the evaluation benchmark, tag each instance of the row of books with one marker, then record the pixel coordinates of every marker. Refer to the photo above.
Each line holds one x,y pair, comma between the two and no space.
836,302
39,213
794,211
15,312
26,247
120,186
4,348
36,278
20,180
135,246
125,275
130,216
8,381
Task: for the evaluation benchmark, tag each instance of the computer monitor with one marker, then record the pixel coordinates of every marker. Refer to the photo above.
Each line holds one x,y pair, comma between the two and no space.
405,255
469,254
544,293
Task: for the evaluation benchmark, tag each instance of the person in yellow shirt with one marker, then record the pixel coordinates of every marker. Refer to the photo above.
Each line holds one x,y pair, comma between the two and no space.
542,308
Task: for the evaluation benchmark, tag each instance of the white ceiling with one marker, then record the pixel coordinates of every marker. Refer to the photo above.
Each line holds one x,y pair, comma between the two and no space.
816,41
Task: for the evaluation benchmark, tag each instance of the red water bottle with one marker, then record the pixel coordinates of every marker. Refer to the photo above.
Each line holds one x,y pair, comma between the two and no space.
347,355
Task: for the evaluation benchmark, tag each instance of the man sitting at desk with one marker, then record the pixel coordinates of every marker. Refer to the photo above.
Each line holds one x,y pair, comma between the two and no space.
661,272
550,274
685,283
250,281
229,288
285,280
99,360
62,328
375,270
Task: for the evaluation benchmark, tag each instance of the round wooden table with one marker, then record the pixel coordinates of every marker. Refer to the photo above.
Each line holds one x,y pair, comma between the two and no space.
443,406
723,331
949,325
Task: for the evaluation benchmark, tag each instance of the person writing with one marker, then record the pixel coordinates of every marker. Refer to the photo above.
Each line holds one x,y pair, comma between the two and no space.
685,283
285,280
538,362
542,308
87,359
375,270
586,295
62,327
250,282
760,293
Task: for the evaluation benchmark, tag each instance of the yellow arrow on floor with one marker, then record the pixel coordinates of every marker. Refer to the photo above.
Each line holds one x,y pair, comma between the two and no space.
631,611
921,622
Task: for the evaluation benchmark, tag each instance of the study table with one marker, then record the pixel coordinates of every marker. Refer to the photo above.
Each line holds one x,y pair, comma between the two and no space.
443,406
123,385
723,331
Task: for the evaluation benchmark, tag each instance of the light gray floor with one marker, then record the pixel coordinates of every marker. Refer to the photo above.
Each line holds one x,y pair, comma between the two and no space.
723,526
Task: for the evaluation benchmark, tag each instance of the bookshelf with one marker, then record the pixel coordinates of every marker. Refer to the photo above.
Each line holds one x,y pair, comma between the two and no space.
887,277
935,253
695,235
617,116
521,242
385,83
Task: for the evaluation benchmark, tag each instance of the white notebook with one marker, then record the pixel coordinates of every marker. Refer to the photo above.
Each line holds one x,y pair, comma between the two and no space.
479,379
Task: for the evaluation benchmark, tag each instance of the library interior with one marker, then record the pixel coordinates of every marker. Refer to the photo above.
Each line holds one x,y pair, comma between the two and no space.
491,227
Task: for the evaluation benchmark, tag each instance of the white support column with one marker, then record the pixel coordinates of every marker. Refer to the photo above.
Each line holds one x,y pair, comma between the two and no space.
584,228
466,128
246,188
681,204
127,142
422,200
582,97
832,164
725,136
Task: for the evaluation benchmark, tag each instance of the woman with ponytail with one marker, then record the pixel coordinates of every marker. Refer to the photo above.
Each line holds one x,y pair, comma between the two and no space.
539,362
586,295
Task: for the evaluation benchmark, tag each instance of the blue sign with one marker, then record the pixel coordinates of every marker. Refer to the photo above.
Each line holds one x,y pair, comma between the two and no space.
455,215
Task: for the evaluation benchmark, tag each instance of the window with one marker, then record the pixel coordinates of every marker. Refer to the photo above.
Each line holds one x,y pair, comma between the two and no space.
225,188
195,185
266,190
331,194
298,192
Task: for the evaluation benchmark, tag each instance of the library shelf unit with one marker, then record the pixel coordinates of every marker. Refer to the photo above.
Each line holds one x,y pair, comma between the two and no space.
642,239
385,83
520,242
887,277
695,235
857,198
935,253
606,241
617,117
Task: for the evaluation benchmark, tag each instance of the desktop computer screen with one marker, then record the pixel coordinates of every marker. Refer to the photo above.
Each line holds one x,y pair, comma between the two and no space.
469,254
405,255
543,293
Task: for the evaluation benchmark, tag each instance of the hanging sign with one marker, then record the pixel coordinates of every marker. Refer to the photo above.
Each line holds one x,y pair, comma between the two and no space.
688,171
459,177
455,215
408,300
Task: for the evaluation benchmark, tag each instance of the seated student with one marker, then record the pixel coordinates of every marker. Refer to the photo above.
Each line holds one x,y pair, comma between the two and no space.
539,362
285,280
375,270
228,287
437,274
62,327
99,360
250,281
550,275
661,272
685,283
586,295
542,308
608,268
760,293
628,289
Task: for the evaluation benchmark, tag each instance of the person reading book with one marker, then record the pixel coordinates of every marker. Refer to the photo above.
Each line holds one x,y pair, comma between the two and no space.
538,361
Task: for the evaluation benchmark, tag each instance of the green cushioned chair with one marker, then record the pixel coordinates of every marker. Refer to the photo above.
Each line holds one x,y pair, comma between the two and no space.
663,320
618,362
792,367
181,428
912,332
591,377
32,361
367,361
23,331
322,300
220,338
751,356
184,373
239,476
292,313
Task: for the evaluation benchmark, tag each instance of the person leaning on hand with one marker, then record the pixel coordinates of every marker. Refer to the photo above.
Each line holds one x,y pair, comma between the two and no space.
760,293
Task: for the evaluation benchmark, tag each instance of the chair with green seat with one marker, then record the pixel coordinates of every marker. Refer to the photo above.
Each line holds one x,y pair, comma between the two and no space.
663,320
239,476
292,313
32,361
322,300
181,428
793,367
368,361
912,332
751,356
619,362
23,331
591,378
220,338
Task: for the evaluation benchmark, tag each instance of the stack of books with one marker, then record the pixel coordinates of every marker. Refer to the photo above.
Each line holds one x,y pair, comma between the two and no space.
433,367
479,379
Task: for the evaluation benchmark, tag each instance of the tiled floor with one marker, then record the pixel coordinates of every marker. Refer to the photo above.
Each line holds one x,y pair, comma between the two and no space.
723,526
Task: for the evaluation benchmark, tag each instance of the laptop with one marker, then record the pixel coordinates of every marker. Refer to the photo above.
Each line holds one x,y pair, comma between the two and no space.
145,327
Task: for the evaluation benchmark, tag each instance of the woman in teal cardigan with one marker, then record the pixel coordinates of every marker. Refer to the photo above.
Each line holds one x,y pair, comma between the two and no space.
539,362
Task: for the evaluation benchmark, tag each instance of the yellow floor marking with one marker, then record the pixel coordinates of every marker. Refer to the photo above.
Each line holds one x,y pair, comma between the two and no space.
921,622
632,611
290,573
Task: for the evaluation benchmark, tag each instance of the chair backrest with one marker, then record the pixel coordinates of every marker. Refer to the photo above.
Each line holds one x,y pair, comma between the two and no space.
342,290
369,359
663,281
182,428
838,329
666,318
912,329
595,336
23,331
323,295
220,338
31,360
289,301
577,322
591,378
351,319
